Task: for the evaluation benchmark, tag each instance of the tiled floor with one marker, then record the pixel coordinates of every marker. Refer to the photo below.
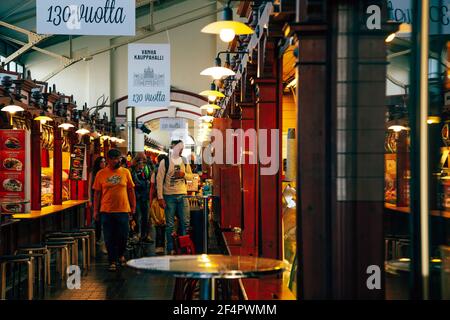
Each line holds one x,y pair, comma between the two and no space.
124,284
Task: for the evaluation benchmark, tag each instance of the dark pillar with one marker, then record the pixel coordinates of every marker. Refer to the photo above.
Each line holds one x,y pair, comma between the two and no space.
57,165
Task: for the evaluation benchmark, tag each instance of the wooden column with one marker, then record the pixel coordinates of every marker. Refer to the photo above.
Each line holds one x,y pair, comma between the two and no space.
250,187
269,185
35,165
314,157
57,165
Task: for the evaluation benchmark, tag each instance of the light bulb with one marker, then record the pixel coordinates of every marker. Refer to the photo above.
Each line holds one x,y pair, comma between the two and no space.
210,110
43,121
390,37
227,35
212,98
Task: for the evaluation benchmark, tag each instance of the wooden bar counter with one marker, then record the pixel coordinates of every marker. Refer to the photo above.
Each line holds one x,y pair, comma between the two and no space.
31,227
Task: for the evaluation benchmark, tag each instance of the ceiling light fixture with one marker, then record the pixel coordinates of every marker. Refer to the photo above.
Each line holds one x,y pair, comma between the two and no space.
227,29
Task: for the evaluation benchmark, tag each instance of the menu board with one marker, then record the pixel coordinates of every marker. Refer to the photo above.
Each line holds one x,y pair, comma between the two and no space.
12,169
77,161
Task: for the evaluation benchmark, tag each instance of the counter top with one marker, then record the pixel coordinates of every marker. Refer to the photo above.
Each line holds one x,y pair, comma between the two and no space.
436,213
8,222
34,214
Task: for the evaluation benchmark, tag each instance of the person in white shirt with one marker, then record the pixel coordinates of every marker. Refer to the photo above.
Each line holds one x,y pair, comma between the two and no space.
171,189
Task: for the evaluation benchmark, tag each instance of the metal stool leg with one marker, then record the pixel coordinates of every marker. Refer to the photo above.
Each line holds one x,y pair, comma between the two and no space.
3,281
66,261
88,254
48,257
30,279
83,252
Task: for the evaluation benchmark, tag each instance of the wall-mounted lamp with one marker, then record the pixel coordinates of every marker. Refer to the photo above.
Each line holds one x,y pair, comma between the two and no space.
227,29
66,126
404,28
212,94
206,118
397,128
210,107
43,118
82,131
12,109
433,120
217,72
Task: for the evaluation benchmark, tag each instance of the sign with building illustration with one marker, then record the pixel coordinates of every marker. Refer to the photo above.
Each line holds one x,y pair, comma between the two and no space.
148,75
86,17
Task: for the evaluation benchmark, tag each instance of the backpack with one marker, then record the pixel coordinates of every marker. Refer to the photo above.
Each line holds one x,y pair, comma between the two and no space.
166,164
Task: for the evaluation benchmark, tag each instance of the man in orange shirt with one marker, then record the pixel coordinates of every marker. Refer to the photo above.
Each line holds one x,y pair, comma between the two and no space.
115,200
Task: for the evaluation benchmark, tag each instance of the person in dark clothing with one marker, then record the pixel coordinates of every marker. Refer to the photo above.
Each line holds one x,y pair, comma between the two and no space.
99,163
141,179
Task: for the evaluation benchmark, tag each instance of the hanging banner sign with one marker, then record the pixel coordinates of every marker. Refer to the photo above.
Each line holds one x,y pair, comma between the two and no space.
401,11
171,124
149,75
86,17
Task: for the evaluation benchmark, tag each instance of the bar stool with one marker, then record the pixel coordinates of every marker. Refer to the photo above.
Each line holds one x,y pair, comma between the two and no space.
401,243
16,260
91,232
72,245
390,242
84,238
61,248
41,254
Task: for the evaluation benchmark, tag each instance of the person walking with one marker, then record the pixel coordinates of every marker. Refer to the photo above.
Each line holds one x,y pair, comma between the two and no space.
114,201
141,179
171,190
159,222
99,163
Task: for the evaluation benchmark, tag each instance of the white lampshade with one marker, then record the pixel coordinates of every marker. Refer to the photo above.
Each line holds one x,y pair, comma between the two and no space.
12,108
66,126
217,72
82,131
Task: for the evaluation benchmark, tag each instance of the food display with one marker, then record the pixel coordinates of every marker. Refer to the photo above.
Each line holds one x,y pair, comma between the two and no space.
46,187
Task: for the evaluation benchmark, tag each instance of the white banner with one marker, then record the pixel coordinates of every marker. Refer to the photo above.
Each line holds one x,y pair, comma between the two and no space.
171,124
148,75
86,17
